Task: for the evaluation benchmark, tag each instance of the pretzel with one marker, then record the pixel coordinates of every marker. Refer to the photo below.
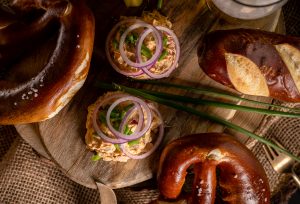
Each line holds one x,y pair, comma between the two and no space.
44,95
218,161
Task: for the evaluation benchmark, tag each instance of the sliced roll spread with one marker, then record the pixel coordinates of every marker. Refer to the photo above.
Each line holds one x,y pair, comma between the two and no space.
291,57
120,127
245,76
143,47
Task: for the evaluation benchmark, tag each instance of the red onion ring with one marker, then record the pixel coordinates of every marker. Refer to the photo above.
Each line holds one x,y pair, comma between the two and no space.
177,49
107,46
95,124
136,134
158,42
139,47
156,144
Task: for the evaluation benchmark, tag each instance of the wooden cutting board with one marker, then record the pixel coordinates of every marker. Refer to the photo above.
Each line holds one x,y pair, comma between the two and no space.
62,137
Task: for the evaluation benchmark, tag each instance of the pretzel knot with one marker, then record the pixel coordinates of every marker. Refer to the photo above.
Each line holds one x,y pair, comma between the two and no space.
218,162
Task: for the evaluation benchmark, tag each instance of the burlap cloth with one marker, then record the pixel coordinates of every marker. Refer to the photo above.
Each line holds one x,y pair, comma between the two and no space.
25,177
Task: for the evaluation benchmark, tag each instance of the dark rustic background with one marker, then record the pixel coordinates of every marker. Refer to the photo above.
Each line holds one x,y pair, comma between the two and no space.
25,177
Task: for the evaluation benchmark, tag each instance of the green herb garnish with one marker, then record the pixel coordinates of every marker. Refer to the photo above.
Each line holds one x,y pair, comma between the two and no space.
163,55
133,142
165,41
118,147
131,39
96,157
146,51
115,115
102,117
127,130
115,44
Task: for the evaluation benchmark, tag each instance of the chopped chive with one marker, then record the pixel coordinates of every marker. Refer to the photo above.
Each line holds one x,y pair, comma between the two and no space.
146,51
115,44
163,55
96,157
127,130
102,117
131,39
133,142
117,147
165,41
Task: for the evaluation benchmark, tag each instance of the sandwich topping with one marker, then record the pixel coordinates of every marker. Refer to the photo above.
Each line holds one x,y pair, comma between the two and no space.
120,126
143,48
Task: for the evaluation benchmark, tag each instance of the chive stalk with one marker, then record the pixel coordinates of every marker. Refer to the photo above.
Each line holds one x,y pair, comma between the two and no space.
159,4
214,93
202,115
197,101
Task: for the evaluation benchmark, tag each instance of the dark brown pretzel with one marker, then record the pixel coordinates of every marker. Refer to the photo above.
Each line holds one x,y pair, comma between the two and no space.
42,96
241,177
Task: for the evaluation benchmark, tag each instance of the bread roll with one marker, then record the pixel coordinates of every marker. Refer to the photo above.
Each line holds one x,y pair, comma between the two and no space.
253,62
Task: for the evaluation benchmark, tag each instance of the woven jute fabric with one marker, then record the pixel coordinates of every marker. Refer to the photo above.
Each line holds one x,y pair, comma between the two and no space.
25,177
287,132
7,136
291,12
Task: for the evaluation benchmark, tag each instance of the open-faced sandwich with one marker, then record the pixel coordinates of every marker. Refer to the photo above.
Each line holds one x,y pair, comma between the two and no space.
121,126
143,48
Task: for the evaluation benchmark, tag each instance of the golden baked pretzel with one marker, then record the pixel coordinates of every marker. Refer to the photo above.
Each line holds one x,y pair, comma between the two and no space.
44,95
218,161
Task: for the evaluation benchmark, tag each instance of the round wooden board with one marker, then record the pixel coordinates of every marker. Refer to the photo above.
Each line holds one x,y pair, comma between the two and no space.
63,135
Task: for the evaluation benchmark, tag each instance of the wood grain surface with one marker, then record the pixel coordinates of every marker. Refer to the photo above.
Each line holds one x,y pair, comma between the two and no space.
62,137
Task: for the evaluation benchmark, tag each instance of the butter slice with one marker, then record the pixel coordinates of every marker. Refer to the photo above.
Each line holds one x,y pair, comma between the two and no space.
245,75
291,57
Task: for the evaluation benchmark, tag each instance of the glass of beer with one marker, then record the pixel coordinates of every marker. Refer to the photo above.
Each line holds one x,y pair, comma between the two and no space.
246,9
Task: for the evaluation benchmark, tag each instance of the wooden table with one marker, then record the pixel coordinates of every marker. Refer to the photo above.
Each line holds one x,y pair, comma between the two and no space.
61,138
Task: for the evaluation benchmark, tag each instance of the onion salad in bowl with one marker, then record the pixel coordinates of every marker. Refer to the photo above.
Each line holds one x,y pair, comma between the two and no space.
143,48
121,127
